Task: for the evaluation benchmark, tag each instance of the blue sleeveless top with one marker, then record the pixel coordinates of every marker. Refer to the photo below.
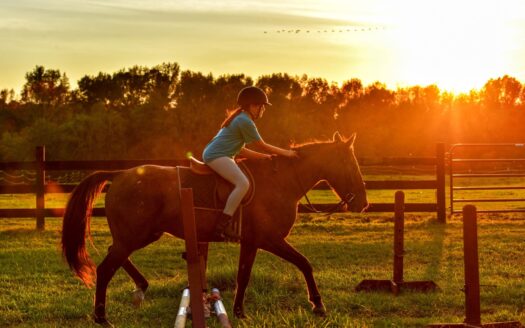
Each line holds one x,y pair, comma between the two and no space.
230,139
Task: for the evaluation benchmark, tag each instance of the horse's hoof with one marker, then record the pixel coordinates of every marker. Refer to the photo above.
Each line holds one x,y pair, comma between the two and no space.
239,313
138,297
103,322
319,311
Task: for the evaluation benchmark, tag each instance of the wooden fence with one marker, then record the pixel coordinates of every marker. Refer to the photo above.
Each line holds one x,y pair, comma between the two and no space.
41,187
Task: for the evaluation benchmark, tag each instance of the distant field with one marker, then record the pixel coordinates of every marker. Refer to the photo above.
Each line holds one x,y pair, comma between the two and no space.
374,196
38,290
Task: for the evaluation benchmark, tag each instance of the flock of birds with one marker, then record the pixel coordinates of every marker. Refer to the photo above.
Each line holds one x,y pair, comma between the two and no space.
346,30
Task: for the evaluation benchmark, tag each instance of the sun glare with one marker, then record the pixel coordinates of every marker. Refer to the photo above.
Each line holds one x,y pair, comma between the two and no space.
457,45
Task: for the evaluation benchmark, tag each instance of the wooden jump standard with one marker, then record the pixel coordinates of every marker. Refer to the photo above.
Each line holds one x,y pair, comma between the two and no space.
196,258
196,262
397,283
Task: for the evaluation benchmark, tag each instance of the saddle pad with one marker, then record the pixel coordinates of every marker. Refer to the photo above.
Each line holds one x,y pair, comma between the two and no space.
204,187
211,192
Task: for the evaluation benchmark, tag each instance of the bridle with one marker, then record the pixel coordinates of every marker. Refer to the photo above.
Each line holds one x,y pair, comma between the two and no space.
345,201
333,209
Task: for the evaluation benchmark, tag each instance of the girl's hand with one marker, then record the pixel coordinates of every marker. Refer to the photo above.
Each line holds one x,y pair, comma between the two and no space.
291,154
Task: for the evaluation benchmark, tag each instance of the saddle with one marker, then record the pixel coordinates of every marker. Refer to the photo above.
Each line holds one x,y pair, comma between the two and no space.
210,190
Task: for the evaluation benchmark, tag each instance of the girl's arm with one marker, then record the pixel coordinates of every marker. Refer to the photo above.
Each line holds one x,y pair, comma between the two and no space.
261,145
250,154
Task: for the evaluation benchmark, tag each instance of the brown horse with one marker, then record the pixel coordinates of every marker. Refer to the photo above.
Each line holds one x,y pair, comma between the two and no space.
142,203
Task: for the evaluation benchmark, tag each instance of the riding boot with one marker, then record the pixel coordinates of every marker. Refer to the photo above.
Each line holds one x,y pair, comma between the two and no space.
224,230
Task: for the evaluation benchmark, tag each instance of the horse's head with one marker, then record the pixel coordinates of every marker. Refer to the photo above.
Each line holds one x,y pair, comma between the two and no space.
341,170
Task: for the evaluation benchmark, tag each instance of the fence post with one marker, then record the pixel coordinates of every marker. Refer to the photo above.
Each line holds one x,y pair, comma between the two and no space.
440,179
399,231
470,241
40,155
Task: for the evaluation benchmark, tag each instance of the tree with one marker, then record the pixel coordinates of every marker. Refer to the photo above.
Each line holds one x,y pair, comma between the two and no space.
510,91
503,92
192,114
45,87
377,95
100,88
133,87
162,84
283,120
352,89
6,96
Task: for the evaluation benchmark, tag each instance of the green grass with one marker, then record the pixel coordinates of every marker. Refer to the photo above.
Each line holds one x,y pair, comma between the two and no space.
38,290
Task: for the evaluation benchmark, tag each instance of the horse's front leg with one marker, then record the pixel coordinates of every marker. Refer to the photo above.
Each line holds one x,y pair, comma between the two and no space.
286,251
246,259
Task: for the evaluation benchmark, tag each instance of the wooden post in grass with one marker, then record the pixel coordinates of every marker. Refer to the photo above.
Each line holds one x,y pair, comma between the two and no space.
399,235
40,187
472,292
470,249
440,179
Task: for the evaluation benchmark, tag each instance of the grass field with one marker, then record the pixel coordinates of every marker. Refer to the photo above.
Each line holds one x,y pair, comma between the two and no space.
38,290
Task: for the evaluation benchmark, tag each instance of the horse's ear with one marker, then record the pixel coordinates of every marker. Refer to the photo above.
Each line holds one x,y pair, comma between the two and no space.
337,137
350,141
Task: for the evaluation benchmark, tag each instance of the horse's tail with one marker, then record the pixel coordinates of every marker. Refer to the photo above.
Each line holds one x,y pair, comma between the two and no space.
76,219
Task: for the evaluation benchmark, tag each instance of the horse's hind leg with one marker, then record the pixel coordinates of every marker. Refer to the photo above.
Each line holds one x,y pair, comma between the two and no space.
141,284
140,281
286,251
117,255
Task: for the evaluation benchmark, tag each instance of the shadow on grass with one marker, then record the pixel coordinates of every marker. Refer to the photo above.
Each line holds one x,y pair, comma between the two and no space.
437,243
24,233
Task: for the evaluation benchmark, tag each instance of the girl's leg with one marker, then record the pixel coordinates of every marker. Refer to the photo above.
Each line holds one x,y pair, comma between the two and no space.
229,170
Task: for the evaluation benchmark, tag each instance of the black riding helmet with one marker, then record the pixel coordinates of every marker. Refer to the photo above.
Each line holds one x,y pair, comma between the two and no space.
252,96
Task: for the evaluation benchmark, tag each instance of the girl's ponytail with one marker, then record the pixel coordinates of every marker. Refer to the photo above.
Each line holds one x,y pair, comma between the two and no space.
231,115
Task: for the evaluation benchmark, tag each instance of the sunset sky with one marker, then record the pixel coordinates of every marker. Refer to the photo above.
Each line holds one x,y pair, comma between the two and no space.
456,44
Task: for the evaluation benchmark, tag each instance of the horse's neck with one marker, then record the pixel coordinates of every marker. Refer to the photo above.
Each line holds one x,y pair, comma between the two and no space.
303,174
293,177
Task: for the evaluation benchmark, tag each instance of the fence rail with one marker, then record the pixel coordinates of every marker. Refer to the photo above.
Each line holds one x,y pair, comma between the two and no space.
468,154
40,187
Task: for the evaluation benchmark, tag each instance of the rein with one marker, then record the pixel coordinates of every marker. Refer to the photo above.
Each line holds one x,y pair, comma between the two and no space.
335,208
348,198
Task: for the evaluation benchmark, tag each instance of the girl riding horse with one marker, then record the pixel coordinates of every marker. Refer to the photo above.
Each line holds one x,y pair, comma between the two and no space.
237,131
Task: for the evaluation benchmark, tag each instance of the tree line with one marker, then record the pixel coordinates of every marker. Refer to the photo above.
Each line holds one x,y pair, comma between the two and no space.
164,112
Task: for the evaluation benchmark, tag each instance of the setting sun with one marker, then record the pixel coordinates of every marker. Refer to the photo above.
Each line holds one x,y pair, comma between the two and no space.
457,45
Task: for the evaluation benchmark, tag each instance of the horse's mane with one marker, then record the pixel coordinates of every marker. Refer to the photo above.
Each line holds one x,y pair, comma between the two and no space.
310,144
306,144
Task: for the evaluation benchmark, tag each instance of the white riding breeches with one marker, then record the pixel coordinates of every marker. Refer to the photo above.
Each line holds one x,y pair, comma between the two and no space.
229,170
